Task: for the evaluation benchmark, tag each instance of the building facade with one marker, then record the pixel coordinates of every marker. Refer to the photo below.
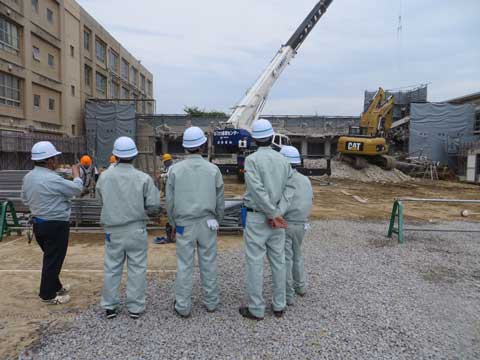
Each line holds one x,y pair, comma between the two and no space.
53,57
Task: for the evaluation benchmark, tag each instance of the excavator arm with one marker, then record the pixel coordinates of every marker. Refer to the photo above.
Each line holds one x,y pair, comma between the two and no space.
377,120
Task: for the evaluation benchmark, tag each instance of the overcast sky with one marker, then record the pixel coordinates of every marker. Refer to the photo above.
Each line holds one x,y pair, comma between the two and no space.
208,52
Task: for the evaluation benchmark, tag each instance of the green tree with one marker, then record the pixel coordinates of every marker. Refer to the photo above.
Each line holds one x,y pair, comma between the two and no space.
195,111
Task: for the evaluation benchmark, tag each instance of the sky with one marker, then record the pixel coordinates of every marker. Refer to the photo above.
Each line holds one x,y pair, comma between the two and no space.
208,53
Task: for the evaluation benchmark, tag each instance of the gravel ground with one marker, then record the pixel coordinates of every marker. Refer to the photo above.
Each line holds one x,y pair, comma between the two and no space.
369,298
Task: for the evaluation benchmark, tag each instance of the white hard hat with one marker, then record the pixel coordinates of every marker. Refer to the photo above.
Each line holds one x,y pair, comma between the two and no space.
43,150
262,129
193,137
292,154
124,148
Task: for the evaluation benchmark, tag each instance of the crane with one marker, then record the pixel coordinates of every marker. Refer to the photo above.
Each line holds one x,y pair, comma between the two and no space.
234,136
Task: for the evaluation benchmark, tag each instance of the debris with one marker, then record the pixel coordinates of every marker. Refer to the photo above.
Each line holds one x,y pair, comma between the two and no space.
359,199
345,192
371,173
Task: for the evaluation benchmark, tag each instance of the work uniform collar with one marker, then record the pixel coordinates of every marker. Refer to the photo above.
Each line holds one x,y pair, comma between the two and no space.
194,156
124,165
264,148
41,168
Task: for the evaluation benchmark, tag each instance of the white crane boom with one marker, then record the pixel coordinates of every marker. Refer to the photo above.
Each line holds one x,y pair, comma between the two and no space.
250,107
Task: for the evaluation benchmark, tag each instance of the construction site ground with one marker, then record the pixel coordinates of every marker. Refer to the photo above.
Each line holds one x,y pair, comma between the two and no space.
23,318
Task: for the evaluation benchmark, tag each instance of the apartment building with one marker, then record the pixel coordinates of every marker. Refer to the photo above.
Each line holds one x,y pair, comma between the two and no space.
53,57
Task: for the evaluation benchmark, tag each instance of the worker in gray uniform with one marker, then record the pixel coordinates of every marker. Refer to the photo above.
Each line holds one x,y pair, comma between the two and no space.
296,216
267,175
195,207
125,194
48,196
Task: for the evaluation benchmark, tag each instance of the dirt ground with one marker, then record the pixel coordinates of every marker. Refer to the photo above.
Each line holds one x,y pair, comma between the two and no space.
23,317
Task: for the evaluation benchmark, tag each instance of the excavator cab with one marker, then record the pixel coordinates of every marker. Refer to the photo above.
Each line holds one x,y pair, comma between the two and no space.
280,140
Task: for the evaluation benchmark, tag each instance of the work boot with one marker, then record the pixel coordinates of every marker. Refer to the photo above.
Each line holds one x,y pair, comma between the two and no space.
245,312
64,290
57,300
300,293
134,315
176,311
211,311
278,313
111,313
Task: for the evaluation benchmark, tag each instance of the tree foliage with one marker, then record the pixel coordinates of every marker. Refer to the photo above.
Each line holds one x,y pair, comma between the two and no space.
195,111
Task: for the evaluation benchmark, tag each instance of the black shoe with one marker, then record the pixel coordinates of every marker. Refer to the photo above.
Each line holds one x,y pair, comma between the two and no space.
134,315
111,313
278,314
178,314
245,312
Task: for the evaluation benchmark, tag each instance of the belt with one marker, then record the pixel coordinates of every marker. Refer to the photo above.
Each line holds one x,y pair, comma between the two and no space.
251,210
37,220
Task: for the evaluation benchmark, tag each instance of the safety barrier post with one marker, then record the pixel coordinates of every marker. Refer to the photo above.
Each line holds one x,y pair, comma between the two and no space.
4,226
397,216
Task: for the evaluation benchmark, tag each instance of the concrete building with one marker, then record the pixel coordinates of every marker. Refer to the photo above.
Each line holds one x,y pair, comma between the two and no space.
54,56
470,99
314,136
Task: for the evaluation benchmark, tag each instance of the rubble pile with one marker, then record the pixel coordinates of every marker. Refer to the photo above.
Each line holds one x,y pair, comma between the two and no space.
372,173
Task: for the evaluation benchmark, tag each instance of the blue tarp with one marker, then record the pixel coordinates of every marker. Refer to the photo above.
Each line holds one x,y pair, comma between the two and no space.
438,129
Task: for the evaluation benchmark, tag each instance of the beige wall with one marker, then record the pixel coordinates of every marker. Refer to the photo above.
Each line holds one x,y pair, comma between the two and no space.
42,113
37,77
40,18
42,66
72,99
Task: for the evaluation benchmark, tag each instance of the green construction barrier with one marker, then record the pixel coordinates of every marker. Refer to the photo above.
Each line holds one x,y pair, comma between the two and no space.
4,225
396,219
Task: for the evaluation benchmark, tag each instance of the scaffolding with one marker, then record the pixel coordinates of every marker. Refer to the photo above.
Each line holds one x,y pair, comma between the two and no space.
15,148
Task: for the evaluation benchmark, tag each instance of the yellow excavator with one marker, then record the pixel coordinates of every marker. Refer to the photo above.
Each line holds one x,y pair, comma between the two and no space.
367,142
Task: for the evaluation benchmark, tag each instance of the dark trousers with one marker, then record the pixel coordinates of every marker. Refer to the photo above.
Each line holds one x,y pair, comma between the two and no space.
52,236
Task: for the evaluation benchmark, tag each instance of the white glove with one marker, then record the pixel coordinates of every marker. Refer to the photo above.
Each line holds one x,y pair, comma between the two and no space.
306,226
213,224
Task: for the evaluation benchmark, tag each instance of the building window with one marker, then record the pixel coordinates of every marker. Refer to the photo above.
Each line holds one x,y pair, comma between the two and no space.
142,82
125,93
35,6
88,76
133,75
113,61
51,104
149,88
36,53
124,69
86,39
36,102
9,90
72,51
477,121
8,36
316,148
73,130
101,83
51,60
72,88
49,16
114,92
100,50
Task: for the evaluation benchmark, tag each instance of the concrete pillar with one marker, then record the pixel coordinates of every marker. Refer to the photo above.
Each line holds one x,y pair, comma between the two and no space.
327,148
164,145
304,149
